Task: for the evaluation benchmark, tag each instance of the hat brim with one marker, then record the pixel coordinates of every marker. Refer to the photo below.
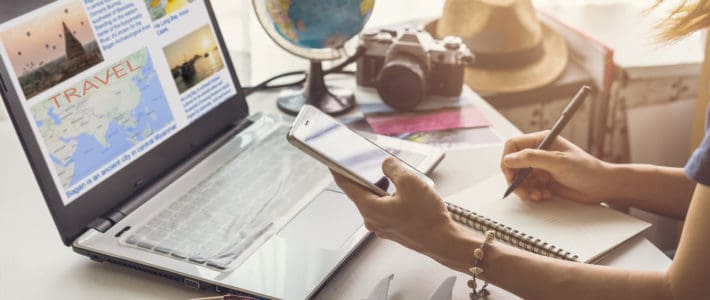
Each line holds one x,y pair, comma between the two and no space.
528,77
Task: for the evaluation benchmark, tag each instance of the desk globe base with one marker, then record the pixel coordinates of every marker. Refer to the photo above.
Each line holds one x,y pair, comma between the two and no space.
329,99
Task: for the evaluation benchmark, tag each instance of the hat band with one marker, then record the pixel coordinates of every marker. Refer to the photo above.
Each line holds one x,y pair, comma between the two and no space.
509,59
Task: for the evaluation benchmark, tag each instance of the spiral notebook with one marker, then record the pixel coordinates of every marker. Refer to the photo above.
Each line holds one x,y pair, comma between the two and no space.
555,228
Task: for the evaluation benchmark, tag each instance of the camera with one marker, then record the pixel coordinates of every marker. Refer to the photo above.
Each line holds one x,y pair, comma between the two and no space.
407,65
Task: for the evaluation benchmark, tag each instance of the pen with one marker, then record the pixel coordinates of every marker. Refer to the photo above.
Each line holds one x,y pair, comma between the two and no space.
562,121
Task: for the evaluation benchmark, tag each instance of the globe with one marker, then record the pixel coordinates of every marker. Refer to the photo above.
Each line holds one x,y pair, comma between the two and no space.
315,30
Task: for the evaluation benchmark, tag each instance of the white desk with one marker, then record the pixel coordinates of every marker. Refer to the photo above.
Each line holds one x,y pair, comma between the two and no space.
35,265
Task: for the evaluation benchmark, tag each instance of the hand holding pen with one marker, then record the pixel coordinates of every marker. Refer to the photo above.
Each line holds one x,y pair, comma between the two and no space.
545,144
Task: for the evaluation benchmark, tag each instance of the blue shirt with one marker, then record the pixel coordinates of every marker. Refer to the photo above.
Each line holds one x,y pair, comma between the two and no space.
698,167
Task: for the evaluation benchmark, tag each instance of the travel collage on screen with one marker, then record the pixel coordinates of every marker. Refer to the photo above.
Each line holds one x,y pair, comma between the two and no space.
104,81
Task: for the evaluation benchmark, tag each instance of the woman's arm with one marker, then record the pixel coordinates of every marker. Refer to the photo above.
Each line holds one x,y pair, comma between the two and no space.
416,217
536,277
662,190
689,272
532,276
569,172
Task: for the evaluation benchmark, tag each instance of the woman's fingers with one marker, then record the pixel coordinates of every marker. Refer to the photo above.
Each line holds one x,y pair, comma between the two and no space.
541,177
522,193
534,158
530,140
546,194
507,172
516,144
402,176
536,195
407,183
535,186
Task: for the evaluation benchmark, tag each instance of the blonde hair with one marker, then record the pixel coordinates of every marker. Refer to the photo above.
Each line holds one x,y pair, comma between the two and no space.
685,18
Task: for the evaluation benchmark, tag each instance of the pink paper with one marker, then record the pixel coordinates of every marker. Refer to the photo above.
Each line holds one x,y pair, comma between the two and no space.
467,117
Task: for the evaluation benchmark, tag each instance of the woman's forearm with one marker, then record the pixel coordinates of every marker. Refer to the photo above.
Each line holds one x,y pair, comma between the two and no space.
533,276
663,190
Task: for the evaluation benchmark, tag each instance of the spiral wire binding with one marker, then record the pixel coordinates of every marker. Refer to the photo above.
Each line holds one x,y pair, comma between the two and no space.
508,234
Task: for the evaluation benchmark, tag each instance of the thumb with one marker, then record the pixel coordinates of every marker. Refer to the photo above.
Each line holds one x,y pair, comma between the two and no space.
398,172
534,158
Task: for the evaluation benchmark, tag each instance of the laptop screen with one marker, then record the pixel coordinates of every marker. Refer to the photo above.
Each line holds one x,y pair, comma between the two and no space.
104,82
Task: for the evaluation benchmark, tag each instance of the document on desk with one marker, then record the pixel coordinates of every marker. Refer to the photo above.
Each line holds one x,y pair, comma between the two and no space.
584,232
467,117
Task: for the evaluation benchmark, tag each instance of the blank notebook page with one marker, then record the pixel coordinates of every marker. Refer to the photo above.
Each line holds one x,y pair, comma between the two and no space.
588,231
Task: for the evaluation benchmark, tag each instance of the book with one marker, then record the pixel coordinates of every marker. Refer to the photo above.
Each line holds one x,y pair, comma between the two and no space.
556,228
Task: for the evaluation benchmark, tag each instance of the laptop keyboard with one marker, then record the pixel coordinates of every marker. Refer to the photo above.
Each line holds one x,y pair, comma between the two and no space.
239,206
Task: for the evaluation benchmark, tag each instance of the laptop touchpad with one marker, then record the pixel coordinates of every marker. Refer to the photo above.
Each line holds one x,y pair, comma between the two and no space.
327,222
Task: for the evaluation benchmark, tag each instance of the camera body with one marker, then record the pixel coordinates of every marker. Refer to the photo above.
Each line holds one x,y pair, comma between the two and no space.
407,65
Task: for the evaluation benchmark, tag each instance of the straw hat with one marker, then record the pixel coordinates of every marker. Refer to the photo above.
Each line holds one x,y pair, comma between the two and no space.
514,51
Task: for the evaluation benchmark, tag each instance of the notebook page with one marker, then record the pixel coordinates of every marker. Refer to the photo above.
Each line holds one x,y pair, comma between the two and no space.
585,230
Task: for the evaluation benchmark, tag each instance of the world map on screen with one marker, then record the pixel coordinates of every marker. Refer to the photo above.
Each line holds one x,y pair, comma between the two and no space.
99,118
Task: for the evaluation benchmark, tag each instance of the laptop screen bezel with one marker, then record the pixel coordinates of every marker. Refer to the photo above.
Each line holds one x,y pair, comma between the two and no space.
72,220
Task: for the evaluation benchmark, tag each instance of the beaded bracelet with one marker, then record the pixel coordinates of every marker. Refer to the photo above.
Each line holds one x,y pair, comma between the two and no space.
476,270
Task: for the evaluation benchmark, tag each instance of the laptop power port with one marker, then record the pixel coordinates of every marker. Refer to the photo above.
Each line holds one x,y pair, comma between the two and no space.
191,283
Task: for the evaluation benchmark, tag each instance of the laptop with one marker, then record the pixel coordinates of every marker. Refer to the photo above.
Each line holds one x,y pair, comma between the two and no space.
138,133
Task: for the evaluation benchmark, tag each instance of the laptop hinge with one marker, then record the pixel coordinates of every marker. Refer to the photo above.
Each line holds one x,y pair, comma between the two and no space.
115,216
2,84
100,224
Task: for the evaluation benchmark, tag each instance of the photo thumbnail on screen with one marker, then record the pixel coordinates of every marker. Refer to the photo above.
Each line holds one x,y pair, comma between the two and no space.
194,58
51,48
162,8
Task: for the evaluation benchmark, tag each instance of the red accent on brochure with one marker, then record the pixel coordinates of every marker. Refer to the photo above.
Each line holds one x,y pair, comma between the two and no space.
467,117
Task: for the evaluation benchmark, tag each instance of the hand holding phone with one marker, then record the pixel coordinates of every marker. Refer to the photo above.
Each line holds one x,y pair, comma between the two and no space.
342,150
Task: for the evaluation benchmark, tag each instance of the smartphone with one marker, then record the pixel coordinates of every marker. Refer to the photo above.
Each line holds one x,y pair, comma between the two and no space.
343,150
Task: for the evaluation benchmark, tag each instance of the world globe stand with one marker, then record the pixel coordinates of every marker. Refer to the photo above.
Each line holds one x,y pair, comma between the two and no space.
329,99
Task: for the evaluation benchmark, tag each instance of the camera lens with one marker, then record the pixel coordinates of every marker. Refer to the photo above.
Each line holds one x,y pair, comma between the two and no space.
401,82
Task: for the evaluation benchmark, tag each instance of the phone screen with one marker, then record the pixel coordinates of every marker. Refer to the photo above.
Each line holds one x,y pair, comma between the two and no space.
346,148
